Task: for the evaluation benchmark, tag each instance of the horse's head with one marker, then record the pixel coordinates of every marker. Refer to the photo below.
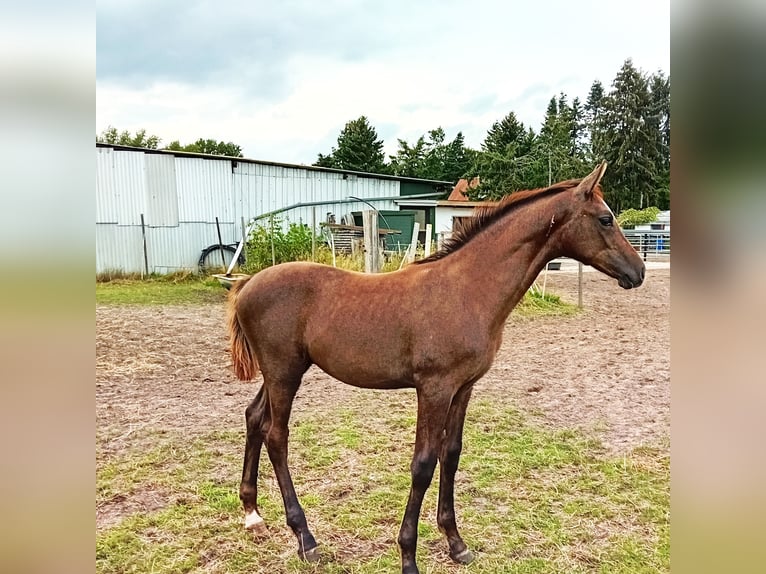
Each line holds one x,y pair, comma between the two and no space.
592,235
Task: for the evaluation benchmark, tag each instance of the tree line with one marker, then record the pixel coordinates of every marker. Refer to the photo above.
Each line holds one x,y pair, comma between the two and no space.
628,126
113,136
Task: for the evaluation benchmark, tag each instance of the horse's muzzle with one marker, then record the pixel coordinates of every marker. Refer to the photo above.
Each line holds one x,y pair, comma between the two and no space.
631,281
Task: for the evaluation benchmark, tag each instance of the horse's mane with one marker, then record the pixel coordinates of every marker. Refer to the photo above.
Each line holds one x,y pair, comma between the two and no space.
489,214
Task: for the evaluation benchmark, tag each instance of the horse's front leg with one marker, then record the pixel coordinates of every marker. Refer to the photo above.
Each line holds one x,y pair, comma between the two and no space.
449,457
432,413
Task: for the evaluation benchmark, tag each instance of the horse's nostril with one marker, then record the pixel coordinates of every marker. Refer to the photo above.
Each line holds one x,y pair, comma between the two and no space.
643,272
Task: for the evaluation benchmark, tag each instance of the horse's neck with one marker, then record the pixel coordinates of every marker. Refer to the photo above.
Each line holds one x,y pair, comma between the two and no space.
501,263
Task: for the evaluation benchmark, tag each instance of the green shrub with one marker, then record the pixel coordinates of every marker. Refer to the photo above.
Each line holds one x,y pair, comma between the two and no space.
291,245
632,217
295,245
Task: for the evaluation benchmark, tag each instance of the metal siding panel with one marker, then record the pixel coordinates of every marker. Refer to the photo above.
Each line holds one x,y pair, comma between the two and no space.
161,192
129,186
168,248
191,178
107,209
246,187
119,247
125,174
264,180
204,190
275,190
178,248
221,192
241,191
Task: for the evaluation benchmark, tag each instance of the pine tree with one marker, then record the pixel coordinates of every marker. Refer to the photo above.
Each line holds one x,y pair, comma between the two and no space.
659,127
359,149
507,133
594,107
595,100
558,152
549,131
409,161
577,129
629,127
457,160
628,142
433,158
659,89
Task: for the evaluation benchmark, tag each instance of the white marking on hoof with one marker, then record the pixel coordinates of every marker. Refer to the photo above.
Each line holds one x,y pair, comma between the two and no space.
253,521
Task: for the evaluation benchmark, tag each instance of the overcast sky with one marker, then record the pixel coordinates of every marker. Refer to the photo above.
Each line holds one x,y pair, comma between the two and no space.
281,78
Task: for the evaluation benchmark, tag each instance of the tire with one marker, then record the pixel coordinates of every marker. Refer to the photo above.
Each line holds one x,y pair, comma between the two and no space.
210,259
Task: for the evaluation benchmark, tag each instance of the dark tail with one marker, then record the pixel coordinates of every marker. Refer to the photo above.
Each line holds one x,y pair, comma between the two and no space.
245,365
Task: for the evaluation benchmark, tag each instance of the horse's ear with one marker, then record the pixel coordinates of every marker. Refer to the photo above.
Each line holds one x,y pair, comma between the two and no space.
589,183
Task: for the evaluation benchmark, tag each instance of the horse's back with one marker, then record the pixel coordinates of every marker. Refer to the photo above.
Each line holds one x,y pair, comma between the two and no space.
284,288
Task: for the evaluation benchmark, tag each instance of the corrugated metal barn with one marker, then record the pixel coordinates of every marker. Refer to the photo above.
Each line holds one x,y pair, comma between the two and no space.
179,196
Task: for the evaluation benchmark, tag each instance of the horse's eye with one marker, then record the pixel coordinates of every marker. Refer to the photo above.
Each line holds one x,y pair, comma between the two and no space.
606,220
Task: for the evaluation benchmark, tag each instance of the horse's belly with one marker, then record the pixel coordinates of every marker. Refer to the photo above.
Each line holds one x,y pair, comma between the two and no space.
366,374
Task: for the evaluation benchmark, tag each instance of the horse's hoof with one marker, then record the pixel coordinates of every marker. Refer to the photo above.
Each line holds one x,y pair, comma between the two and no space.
310,555
258,529
464,557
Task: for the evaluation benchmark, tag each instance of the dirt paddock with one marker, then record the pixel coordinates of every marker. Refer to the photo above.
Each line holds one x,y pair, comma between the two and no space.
605,370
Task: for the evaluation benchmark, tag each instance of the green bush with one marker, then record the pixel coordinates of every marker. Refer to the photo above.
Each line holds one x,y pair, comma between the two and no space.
632,217
291,245
295,245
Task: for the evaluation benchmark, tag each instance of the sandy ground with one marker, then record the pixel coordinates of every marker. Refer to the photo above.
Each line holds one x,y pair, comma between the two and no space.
605,370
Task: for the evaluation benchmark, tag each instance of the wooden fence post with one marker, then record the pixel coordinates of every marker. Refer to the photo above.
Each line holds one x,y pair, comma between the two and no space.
371,241
410,256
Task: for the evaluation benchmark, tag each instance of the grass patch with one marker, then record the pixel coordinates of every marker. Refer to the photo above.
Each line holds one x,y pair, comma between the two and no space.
528,500
173,289
535,304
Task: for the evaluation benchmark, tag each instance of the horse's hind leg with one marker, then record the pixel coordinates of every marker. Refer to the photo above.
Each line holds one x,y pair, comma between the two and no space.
257,417
449,457
282,390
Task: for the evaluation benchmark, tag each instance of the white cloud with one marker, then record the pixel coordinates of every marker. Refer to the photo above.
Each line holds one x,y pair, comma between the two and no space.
455,65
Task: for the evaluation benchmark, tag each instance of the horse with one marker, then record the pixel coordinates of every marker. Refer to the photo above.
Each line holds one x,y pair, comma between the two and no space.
290,316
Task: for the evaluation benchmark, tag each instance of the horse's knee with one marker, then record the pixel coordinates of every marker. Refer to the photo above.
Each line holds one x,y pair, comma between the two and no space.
450,458
422,469
453,450
257,422
254,414
276,436
405,540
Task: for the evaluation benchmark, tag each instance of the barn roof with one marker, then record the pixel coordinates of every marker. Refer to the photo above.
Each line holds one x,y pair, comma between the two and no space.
433,182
